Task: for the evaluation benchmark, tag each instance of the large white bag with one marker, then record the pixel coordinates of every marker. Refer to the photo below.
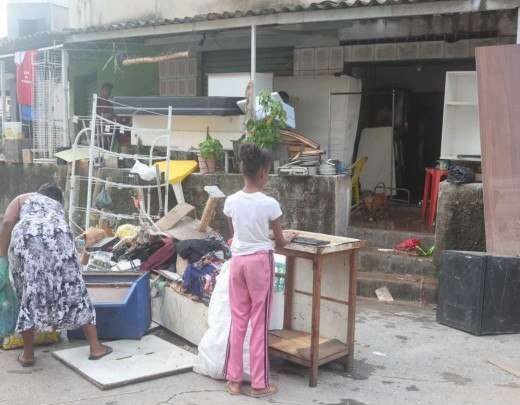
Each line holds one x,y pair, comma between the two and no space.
213,346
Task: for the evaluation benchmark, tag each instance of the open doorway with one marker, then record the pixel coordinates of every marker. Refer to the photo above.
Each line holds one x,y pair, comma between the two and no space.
407,97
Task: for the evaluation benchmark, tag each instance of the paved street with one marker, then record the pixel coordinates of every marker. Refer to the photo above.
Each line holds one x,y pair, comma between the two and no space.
403,357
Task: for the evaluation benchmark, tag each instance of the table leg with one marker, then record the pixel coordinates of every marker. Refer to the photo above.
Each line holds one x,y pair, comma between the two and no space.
315,326
426,194
288,292
351,322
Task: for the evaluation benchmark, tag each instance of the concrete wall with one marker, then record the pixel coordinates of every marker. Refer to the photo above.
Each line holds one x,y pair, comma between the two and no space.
16,179
51,17
317,204
460,219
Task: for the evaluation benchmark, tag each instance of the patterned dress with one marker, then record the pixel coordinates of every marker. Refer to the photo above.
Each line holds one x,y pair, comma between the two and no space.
46,270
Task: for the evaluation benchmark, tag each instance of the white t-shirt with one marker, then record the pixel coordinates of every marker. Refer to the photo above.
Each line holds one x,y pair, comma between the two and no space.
251,214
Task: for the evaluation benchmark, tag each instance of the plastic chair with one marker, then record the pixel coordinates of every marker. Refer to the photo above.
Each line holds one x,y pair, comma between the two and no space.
432,182
356,169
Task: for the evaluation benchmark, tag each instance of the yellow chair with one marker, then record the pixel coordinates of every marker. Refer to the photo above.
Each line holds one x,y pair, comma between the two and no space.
179,170
356,169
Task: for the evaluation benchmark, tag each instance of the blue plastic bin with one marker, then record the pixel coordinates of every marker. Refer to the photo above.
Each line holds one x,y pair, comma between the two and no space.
130,316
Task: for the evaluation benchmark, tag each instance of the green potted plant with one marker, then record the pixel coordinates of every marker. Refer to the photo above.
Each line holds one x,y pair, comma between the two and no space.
265,131
210,150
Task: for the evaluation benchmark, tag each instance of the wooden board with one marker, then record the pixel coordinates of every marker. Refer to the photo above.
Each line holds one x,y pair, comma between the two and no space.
131,362
296,346
173,217
499,116
337,244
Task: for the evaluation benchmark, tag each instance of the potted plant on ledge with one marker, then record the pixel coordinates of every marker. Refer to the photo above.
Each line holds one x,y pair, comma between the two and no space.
210,150
265,129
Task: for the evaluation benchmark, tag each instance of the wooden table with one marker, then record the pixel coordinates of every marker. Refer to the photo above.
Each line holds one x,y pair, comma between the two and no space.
334,267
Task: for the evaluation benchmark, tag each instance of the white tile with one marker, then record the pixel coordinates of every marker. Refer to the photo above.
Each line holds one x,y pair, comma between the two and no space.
132,361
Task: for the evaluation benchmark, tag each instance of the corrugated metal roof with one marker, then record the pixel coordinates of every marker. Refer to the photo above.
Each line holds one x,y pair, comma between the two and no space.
323,5
35,40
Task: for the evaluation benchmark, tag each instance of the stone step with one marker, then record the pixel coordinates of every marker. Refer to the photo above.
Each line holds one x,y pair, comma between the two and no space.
382,238
403,287
375,260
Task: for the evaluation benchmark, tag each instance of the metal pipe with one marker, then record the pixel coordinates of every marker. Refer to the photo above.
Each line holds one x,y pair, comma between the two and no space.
167,172
150,160
91,160
253,69
73,176
3,99
47,48
392,174
329,136
518,25
65,81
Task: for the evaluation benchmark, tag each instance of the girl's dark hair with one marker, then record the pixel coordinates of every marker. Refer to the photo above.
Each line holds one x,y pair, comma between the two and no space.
52,191
253,158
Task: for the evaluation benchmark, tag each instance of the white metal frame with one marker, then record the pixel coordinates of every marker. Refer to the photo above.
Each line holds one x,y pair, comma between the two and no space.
93,149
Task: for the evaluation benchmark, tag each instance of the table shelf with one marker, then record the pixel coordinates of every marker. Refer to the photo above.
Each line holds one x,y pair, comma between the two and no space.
295,346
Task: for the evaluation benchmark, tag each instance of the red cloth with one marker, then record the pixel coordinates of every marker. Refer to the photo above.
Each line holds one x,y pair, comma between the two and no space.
24,77
408,244
160,257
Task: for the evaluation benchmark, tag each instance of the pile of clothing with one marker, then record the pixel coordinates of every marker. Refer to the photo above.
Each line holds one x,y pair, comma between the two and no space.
205,258
132,250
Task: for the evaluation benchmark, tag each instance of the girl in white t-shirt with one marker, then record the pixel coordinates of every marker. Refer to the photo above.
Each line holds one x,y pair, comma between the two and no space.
251,215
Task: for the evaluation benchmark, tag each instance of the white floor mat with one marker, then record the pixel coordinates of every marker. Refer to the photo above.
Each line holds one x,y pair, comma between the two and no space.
132,361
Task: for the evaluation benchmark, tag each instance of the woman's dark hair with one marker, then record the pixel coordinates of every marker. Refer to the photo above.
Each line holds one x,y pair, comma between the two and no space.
253,158
52,191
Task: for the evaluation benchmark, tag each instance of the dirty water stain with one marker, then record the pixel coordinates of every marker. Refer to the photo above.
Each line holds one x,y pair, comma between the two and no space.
412,388
390,325
456,378
509,385
344,401
401,338
362,370
387,382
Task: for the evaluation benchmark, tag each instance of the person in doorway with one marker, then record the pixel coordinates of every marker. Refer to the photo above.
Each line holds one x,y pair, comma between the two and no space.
251,214
37,245
105,106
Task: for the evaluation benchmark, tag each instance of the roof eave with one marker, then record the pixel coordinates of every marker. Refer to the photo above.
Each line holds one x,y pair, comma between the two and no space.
299,17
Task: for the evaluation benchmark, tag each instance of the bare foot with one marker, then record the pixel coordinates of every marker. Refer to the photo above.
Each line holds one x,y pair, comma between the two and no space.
233,388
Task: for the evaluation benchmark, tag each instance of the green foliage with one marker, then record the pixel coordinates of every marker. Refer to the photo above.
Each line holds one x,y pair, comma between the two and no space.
265,132
211,148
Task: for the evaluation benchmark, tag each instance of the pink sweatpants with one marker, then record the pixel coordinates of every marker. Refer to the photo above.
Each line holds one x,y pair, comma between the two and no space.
250,289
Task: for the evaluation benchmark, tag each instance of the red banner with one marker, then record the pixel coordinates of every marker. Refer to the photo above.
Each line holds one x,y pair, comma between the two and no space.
24,77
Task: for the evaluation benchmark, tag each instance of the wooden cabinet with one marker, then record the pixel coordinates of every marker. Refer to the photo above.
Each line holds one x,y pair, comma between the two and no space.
460,127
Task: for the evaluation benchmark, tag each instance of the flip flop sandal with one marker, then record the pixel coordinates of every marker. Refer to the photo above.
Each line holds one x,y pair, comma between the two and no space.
231,391
109,350
25,363
273,389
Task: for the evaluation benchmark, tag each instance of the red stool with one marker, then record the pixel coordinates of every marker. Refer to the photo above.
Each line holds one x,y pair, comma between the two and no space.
432,182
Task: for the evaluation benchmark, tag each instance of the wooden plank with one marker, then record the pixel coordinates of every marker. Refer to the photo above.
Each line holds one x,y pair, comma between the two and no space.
296,345
499,110
175,215
337,244
288,296
323,297
351,321
315,326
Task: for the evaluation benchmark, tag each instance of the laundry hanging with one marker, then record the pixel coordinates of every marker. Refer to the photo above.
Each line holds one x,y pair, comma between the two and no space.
24,76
